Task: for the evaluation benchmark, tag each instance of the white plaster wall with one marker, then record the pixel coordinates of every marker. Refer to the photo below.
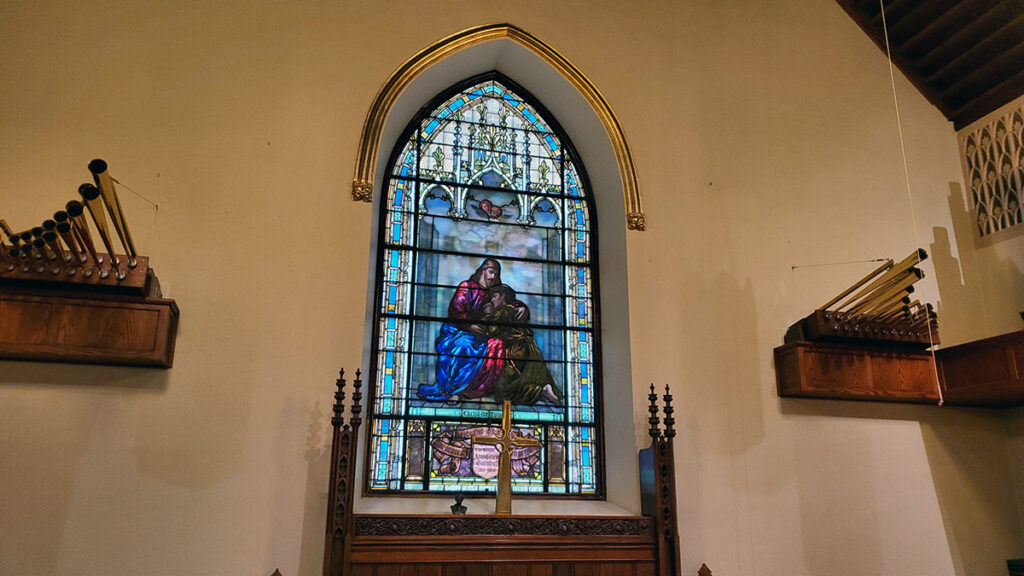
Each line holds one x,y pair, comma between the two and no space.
764,137
988,296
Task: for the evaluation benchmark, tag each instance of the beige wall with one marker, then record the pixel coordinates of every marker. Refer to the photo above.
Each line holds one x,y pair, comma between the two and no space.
764,136
990,291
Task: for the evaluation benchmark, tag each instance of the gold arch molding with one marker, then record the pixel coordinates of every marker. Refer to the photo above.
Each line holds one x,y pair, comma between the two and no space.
369,141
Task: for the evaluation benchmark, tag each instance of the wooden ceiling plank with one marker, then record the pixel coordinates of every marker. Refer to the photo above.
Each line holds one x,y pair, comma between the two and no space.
896,10
991,73
920,18
923,41
969,35
850,6
869,8
997,96
966,57
978,57
863,21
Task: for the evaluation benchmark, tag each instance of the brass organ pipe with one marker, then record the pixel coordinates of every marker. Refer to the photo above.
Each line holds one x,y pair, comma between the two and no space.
899,286
26,257
911,307
893,272
6,232
865,280
69,236
883,298
898,320
876,323
51,227
26,240
919,313
904,309
886,304
895,297
81,228
897,315
5,228
872,294
37,234
925,314
58,255
40,245
922,324
895,303
106,186
914,315
91,195
64,230
77,234
14,255
885,290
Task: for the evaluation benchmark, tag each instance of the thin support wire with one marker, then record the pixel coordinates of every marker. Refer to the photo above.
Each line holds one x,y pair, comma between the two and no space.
906,170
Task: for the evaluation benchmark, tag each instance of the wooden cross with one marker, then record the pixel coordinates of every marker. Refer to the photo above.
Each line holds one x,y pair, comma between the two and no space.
505,443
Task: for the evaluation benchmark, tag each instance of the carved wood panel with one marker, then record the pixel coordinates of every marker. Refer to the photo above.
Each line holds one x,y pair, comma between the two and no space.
508,569
89,329
842,371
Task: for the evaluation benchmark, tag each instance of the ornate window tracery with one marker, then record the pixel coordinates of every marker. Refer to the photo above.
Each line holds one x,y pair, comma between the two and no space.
485,292
994,162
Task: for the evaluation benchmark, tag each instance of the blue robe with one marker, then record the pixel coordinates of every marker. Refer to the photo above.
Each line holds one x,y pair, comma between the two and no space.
461,357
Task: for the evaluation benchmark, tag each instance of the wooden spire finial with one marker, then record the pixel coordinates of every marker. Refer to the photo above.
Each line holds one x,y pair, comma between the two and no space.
654,432
670,432
704,570
339,400
357,396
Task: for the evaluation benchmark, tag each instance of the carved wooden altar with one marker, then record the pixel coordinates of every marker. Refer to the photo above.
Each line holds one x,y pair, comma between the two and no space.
488,545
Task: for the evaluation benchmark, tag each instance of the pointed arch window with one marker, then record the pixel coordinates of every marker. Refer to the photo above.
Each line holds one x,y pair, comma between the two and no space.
486,291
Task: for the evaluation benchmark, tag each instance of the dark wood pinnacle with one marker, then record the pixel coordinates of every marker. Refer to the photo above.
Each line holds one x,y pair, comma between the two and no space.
339,400
670,432
653,409
357,396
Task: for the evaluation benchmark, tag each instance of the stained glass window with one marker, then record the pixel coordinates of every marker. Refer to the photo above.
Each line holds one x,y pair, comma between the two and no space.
485,293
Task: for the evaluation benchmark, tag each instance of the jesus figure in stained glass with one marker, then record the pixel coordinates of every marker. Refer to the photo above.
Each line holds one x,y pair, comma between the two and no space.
485,347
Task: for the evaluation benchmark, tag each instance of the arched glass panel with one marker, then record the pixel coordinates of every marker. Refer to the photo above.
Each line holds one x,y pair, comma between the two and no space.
485,292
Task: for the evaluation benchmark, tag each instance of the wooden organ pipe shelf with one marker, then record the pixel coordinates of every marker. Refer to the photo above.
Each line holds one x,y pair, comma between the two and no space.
855,372
87,320
984,373
871,342
987,372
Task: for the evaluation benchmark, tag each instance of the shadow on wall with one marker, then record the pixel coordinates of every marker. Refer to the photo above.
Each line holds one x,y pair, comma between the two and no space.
967,302
838,490
973,488
316,455
969,458
43,482
318,467
967,449
720,415
961,304
122,378
967,455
